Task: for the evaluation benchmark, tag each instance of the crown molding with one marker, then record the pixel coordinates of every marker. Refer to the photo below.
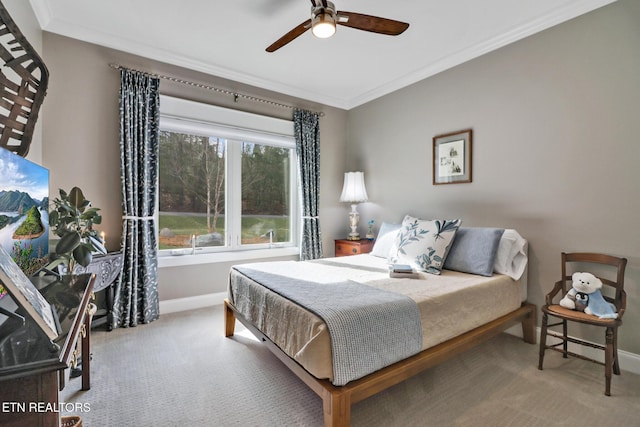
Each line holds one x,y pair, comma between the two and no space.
545,22
89,35
49,22
43,12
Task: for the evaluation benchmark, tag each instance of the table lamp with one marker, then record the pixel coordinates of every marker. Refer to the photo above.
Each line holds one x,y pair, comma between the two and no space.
354,192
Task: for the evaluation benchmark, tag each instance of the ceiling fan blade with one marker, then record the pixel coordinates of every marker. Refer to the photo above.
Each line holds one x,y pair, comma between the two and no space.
370,23
290,36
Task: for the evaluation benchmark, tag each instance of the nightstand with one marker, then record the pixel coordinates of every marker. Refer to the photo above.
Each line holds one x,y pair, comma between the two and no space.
353,247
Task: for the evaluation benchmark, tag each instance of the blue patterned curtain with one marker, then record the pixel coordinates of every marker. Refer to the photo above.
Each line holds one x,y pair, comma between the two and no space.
136,294
307,132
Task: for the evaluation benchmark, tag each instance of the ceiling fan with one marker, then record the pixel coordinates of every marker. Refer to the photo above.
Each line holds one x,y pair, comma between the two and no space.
324,18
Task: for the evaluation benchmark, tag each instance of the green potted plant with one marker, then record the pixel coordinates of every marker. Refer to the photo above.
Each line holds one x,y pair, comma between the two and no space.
71,219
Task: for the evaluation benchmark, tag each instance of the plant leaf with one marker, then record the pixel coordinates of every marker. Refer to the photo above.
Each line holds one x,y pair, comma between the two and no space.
97,245
68,243
53,218
82,255
76,197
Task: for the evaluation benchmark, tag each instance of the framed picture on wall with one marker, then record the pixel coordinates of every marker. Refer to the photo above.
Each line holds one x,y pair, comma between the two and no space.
452,157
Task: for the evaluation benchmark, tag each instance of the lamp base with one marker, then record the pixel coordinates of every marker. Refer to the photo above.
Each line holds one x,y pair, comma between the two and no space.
354,219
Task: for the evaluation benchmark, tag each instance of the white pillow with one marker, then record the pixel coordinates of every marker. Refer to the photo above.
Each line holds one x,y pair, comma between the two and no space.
511,257
386,237
423,244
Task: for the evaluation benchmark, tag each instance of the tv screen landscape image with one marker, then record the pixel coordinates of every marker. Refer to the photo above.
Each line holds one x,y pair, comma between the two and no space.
24,215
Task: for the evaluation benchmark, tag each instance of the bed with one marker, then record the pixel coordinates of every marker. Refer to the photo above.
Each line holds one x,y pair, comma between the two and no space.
431,318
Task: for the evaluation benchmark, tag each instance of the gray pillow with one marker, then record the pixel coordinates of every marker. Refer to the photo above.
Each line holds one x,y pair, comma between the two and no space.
386,237
474,250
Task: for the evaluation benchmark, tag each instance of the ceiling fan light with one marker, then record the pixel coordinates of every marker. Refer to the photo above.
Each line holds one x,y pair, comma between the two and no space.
323,24
324,30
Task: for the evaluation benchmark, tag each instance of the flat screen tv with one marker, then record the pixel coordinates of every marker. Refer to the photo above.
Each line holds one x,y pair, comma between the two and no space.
24,215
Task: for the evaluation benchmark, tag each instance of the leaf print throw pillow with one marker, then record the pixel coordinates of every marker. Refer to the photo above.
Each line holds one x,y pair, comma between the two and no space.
423,244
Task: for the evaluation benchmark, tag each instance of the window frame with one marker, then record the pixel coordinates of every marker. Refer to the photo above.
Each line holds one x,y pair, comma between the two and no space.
190,117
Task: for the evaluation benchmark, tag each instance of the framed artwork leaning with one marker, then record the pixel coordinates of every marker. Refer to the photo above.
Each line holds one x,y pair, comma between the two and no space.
26,295
452,157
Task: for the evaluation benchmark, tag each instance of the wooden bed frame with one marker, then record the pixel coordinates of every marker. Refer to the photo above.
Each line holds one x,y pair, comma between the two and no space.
337,401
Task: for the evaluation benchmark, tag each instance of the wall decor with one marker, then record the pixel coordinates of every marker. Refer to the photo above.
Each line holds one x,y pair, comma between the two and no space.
23,86
452,157
24,211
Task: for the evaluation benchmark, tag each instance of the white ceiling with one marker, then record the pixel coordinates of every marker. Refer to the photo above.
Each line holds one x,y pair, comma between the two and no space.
228,38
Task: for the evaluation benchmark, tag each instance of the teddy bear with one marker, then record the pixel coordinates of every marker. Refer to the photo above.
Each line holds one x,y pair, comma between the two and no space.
585,296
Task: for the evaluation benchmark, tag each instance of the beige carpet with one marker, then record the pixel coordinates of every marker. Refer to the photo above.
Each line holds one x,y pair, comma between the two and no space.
181,371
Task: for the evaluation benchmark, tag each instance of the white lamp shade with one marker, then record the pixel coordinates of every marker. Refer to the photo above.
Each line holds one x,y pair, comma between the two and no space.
354,190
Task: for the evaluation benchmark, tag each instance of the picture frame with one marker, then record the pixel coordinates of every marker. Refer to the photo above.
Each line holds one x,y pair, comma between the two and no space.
452,157
26,295
25,186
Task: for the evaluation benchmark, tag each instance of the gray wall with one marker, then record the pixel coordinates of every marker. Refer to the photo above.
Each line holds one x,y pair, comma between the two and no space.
81,141
555,152
555,146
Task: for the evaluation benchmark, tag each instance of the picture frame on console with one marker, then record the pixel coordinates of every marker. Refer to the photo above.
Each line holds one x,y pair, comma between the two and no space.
26,295
452,157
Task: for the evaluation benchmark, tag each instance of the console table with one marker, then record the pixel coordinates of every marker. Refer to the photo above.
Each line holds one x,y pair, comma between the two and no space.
106,267
32,367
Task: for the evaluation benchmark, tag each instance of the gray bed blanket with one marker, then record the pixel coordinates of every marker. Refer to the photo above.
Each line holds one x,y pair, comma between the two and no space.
370,328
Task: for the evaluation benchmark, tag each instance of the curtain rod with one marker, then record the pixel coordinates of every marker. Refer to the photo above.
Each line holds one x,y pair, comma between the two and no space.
235,95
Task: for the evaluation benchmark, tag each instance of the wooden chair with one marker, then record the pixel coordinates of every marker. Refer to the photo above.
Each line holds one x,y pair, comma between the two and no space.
583,261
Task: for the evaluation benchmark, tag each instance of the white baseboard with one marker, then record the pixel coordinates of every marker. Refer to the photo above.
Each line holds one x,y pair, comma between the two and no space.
629,362
191,303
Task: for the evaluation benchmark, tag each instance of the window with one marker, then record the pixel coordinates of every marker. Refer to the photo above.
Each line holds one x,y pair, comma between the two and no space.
226,180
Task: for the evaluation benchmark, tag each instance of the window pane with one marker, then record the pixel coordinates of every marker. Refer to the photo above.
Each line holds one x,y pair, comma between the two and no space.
265,194
191,190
